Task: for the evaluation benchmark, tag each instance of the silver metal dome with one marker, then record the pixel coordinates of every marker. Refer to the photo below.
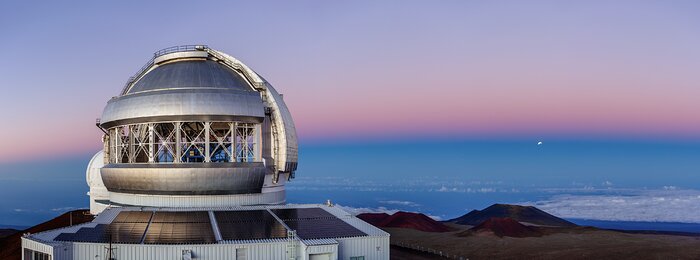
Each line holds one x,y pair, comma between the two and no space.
197,122
191,74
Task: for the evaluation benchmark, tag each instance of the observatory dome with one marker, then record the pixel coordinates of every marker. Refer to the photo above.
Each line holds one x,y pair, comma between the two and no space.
195,127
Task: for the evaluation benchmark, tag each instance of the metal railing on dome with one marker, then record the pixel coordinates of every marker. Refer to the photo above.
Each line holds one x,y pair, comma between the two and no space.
157,54
180,48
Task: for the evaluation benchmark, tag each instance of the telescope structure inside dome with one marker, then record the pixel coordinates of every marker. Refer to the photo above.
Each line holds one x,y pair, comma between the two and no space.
194,127
197,150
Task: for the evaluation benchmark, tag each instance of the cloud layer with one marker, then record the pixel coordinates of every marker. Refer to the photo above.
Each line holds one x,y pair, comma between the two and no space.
356,211
667,205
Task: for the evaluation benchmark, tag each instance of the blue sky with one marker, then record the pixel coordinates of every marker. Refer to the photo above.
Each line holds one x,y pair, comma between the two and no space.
371,70
454,90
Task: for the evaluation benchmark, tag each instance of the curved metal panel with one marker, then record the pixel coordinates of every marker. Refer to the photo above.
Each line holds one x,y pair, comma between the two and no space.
284,140
289,153
184,102
204,179
92,174
191,74
265,198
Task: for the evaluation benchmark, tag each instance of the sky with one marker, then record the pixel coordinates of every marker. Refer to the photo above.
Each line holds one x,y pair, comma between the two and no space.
369,70
396,103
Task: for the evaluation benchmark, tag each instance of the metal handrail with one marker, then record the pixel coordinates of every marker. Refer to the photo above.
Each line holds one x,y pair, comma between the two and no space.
174,49
180,48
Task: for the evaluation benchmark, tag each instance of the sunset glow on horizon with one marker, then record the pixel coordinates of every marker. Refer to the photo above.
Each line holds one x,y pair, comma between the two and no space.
591,69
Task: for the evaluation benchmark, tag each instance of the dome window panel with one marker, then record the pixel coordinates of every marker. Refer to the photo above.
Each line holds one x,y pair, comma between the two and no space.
192,142
185,142
164,142
140,145
221,140
246,143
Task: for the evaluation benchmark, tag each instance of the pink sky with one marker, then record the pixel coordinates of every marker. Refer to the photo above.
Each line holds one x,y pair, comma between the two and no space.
405,68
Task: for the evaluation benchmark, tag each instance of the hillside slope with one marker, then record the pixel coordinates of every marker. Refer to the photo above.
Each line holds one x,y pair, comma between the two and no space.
403,219
523,214
11,246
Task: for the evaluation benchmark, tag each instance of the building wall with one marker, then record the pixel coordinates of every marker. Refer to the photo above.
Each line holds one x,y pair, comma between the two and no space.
199,252
369,247
36,246
306,251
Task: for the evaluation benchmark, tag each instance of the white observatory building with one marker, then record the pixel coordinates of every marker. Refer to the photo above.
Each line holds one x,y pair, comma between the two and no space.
197,150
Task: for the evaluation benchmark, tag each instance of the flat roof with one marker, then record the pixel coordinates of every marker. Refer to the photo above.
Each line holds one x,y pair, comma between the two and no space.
137,225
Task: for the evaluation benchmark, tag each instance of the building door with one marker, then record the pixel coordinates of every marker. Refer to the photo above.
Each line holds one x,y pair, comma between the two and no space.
320,257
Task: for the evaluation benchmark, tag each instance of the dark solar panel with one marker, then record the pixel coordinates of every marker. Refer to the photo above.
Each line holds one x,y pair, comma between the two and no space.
104,233
309,213
250,224
191,227
194,227
323,228
133,217
242,216
314,223
183,227
65,237
179,233
181,217
126,232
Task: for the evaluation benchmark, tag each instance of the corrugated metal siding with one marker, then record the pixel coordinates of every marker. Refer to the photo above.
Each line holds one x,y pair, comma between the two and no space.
37,246
364,246
200,252
108,215
205,201
50,235
321,249
322,241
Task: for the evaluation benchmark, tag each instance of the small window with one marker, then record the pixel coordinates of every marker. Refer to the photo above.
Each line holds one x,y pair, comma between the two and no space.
357,258
35,255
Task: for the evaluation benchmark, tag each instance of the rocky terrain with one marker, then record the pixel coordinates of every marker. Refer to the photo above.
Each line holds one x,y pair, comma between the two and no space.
518,232
402,219
4,232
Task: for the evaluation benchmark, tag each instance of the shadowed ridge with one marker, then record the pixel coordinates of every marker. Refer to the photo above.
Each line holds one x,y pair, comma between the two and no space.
11,246
403,219
504,227
524,214
373,218
5,232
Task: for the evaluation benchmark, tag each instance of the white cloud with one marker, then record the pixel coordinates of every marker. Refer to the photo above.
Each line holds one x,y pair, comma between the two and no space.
667,205
64,209
400,202
357,211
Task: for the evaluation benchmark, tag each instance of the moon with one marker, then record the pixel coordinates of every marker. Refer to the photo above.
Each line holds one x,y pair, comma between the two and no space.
539,143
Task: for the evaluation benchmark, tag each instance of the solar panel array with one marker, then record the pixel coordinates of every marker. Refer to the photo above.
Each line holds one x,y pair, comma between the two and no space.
191,227
194,227
181,217
308,213
248,225
316,223
133,217
127,227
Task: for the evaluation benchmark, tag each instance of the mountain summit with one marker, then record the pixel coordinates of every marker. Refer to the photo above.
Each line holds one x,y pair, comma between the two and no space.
523,214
